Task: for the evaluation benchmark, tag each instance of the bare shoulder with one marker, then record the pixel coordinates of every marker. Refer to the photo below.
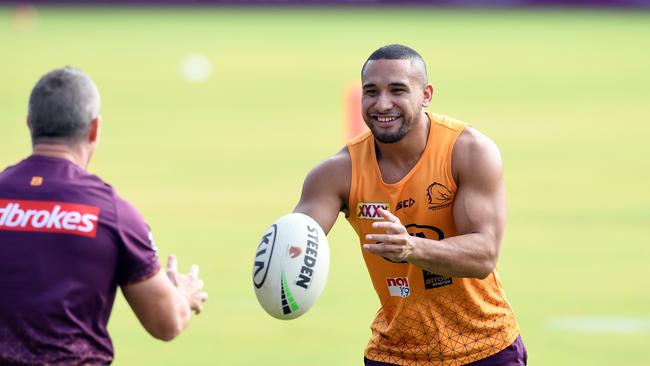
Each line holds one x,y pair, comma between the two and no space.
474,156
337,163
335,172
326,189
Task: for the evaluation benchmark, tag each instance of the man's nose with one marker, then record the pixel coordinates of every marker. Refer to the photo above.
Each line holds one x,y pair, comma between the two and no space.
384,103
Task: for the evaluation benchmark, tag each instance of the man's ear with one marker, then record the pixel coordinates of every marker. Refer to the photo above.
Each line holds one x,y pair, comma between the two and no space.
427,95
93,133
29,124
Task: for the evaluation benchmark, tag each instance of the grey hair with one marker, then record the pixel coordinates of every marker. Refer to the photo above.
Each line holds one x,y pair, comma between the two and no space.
62,105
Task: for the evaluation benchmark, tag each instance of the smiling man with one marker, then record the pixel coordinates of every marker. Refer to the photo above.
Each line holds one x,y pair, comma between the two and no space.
425,194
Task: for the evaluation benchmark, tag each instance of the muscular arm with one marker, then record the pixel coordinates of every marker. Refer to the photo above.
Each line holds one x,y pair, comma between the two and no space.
163,303
326,189
479,212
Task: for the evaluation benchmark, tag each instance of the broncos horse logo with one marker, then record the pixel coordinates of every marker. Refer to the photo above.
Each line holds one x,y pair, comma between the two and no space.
439,196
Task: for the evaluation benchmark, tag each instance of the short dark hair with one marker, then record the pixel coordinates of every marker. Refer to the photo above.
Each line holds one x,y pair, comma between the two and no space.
62,105
395,52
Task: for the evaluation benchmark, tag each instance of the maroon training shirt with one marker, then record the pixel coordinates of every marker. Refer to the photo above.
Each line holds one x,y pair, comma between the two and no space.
66,242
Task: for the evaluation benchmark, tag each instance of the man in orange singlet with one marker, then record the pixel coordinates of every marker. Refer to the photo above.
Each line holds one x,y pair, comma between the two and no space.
425,194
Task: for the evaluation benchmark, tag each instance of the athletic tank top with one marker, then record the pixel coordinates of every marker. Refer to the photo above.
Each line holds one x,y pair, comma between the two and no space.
425,319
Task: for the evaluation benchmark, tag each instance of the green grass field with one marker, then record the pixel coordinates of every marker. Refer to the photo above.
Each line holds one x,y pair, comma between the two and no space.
565,94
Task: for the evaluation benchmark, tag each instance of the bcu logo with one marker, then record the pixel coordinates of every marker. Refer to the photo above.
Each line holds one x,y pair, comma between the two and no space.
431,280
422,231
370,210
398,286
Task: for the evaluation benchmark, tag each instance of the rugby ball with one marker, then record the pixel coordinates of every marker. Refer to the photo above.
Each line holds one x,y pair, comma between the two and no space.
291,266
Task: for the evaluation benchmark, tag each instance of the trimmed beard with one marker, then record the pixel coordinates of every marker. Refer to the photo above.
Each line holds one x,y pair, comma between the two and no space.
389,138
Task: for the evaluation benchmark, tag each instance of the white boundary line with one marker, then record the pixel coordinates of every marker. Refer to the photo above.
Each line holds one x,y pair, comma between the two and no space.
600,324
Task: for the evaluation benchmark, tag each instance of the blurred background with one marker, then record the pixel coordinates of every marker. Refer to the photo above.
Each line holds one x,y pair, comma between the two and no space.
214,113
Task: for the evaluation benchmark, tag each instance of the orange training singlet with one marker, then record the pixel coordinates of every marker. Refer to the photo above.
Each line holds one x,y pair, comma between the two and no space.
425,319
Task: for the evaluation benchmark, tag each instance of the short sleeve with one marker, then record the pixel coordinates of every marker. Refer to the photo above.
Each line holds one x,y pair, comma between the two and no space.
137,258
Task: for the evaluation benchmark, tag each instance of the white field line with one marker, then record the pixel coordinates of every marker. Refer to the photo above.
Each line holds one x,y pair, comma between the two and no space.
600,324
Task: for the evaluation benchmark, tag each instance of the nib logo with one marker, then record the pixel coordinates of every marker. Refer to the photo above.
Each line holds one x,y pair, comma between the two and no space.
398,286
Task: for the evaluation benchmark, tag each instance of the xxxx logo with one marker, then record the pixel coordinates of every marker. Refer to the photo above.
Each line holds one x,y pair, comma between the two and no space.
370,210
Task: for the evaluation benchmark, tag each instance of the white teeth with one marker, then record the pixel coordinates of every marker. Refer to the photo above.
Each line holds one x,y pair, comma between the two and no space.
386,119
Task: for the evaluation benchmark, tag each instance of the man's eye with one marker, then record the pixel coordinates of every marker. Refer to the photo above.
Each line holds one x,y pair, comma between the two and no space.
370,92
399,91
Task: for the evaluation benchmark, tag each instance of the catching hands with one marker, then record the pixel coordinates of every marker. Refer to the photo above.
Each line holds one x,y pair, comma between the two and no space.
189,285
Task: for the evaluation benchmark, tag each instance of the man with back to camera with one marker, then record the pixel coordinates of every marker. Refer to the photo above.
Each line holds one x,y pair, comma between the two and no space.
425,194
67,241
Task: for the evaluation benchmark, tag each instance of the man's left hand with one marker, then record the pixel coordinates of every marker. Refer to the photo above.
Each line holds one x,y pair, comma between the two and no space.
396,244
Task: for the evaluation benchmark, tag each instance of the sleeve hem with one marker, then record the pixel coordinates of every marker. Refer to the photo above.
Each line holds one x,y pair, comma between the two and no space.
143,273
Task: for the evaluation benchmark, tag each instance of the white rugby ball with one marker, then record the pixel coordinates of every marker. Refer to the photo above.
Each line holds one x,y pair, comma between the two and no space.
291,266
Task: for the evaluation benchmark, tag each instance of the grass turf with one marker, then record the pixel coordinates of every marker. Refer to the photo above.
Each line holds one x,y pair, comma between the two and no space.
210,165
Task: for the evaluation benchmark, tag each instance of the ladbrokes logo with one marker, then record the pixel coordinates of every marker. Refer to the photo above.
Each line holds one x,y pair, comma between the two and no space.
370,210
398,286
439,196
50,217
